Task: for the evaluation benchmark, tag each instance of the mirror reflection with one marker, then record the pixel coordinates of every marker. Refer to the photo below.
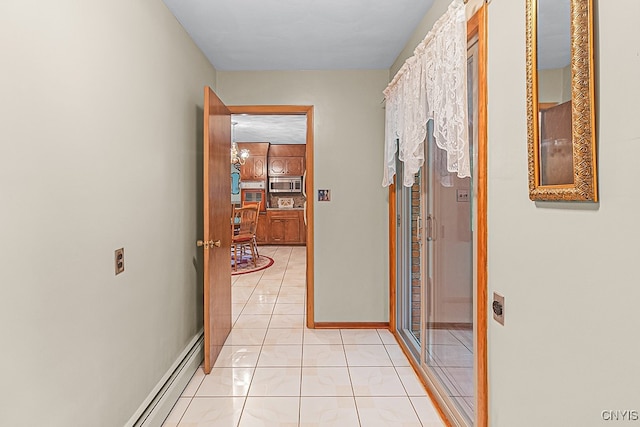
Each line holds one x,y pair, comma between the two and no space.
554,92
561,137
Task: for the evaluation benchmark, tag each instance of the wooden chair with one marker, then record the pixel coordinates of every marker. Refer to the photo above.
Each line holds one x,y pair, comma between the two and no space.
258,204
246,219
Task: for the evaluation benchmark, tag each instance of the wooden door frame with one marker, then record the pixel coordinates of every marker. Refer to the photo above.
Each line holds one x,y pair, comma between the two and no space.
296,110
476,26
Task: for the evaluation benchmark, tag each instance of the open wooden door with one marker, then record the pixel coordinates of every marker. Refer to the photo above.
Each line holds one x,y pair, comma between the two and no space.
217,228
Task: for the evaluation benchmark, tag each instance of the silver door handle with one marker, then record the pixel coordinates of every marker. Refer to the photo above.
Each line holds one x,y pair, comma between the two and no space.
430,225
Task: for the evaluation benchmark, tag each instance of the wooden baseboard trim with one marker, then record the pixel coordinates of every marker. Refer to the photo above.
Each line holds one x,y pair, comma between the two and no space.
352,325
157,406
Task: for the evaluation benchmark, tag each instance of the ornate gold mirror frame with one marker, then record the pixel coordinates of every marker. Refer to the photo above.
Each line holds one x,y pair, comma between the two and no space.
562,155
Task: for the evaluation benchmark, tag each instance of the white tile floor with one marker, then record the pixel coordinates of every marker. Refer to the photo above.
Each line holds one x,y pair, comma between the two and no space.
273,371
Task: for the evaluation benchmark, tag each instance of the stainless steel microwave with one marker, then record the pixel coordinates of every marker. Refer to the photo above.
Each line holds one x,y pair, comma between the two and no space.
285,185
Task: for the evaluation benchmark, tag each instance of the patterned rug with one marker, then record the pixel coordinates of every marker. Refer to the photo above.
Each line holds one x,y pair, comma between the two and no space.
246,264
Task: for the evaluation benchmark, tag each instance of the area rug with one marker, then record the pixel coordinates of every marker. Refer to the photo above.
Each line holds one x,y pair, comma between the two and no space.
246,265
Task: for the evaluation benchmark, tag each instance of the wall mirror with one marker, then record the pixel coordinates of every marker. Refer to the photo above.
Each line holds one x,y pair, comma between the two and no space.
560,100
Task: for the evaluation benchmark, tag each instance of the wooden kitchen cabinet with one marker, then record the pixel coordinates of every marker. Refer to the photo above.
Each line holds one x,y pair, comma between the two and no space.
277,165
295,166
286,227
261,229
286,166
255,167
286,160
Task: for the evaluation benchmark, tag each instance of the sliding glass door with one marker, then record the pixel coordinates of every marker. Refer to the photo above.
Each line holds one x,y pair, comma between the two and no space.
435,260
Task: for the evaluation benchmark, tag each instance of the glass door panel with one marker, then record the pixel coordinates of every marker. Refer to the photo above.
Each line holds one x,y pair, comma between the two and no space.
449,294
409,261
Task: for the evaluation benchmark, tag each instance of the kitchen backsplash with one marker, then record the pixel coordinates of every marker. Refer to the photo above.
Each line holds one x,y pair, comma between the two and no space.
298,199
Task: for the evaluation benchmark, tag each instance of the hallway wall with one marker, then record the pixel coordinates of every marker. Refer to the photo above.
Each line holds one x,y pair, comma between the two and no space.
568,271
351,239
101,122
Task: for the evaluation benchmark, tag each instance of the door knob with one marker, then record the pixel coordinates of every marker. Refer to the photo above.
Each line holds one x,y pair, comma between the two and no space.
208,244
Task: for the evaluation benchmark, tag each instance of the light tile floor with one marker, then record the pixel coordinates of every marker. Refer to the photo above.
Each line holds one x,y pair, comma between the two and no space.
273,371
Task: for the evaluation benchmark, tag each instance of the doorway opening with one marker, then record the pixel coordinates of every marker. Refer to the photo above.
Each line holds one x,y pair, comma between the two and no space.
307,111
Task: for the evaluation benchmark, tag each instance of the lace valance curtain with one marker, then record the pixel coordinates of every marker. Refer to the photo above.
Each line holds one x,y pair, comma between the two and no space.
432,84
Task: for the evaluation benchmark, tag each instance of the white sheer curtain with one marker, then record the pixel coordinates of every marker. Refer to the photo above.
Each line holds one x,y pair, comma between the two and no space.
432,84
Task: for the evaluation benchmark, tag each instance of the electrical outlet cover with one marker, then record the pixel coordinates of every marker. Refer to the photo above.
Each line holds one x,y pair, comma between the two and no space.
498,308
119,260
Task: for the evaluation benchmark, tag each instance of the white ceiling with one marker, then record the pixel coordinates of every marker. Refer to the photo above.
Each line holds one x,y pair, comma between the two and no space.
276,129
299,34
321,35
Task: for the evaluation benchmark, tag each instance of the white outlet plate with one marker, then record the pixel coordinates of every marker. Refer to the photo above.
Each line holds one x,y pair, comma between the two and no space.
119,260
497,298
462,195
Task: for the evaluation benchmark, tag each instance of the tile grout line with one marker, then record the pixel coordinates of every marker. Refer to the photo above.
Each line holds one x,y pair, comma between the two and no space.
301,379
353,392
246,397
185,410
404,387
301,349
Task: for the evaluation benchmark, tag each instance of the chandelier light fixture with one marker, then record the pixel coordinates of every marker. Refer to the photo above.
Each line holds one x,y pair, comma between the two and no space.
238,157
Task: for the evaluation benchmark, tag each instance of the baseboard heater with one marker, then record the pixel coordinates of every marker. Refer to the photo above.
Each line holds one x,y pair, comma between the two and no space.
158,404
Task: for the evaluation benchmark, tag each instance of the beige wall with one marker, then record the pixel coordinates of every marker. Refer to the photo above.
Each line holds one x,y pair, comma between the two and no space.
554,85
550,85
99,142
438,8
351,238
568,271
